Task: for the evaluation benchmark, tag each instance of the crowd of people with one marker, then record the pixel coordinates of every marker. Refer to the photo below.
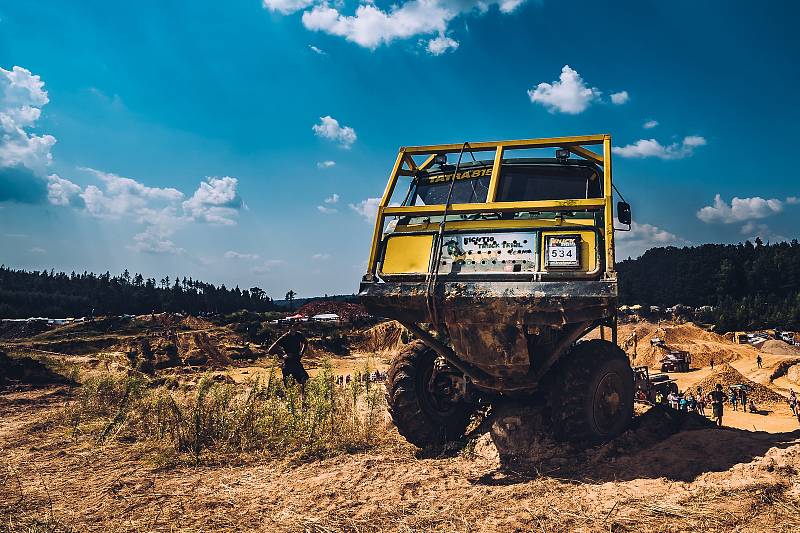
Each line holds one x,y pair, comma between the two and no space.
694,401
372,377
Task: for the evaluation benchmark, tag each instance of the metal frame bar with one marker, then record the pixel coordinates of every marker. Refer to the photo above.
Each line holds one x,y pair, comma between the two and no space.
574,144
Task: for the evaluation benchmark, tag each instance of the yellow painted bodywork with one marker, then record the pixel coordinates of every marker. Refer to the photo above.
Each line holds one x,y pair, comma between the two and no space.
405,166
407,254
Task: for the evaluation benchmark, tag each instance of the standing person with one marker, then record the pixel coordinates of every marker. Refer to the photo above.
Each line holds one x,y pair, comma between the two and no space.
712,363
793,402
701,405
672,399
734,399
743,399
759,360
294,344
717,399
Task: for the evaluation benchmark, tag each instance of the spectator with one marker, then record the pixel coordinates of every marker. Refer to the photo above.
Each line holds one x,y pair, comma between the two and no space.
692,403
683,404
793,402
759,360
673,400
717,399
701,405
743,398
734,399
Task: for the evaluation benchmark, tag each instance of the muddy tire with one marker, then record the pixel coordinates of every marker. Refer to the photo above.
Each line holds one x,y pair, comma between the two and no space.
590,399
421,417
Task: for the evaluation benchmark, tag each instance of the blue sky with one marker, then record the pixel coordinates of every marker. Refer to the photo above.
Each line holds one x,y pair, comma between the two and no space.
179,138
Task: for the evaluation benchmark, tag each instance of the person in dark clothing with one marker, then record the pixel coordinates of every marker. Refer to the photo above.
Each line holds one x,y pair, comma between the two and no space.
759,360
743,398
717,399
293,344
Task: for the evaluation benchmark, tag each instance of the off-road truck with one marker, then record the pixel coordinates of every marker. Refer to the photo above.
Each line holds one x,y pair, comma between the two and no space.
500,268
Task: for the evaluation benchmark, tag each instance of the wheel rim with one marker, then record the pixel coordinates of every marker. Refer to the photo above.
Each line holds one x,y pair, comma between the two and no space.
608,403
434,401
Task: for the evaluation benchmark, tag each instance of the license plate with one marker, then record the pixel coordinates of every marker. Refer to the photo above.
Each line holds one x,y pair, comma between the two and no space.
562,251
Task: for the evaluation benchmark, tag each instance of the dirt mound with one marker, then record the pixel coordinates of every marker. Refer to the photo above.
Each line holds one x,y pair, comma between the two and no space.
726,375
25,370
778,347
384,337
346,310
702,345
150,354
192,322
520,438
197,349
22,330
793,373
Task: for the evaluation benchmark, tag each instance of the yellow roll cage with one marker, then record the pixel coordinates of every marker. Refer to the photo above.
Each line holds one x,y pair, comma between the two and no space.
406,166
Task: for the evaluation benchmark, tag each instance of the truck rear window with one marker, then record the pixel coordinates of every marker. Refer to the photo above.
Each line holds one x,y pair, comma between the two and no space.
518,183
547,182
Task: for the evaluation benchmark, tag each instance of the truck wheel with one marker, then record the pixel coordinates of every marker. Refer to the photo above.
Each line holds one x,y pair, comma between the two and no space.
591,397
423,409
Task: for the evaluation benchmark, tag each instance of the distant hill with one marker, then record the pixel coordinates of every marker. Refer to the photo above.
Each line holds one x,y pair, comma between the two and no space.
751,285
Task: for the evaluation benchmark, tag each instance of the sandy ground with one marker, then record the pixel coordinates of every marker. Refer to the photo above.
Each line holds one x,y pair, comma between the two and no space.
745,477
709,480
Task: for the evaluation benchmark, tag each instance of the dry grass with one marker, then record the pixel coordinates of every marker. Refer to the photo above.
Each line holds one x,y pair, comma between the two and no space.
221,420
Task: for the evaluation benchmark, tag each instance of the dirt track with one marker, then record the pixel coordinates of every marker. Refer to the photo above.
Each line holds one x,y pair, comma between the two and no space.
703,480
708,479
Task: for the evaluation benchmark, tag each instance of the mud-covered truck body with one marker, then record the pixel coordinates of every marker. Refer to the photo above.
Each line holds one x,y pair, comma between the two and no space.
499,266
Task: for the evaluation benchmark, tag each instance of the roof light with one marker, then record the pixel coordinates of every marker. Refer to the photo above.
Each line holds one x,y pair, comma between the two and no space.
562,154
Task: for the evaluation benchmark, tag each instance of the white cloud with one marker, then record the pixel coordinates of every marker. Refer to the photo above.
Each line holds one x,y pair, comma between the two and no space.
37,250
321,257
620,98
442,44
367,208
286,7
326,164
792,200
230,254
155,240
329,128
124,196
569,94
22,96
332,199
652,148
63,192
650,124
739,210
327,210
266,266
316,50
371,26
641,237
752,230
215,201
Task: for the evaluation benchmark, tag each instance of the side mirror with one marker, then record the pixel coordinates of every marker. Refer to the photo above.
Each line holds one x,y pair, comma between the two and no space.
624,213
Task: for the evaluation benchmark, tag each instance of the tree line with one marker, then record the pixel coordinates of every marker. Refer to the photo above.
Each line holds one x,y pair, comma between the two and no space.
751,285
57,294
